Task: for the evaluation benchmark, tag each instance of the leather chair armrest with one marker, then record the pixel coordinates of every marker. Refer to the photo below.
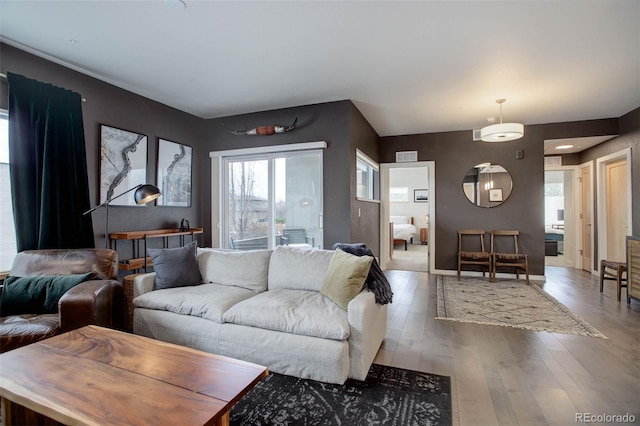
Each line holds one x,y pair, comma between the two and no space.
97,302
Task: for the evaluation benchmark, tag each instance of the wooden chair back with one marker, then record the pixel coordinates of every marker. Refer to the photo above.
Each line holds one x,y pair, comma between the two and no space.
508,258
476,256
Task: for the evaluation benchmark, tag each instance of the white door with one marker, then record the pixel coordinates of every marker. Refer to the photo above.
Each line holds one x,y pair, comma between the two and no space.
616,205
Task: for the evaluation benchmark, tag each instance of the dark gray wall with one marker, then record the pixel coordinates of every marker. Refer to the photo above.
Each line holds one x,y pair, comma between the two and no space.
107,104
365,215
329,122
454,153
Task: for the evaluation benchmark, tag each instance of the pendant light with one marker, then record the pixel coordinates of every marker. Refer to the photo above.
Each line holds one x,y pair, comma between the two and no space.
502,132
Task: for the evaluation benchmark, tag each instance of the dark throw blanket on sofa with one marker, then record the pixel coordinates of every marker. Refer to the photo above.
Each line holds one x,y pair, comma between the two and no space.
376,280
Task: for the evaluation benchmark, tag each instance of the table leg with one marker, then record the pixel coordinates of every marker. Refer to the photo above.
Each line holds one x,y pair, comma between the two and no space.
16,414
224,420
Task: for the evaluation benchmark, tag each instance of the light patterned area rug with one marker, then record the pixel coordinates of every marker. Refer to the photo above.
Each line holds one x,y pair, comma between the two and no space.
510,303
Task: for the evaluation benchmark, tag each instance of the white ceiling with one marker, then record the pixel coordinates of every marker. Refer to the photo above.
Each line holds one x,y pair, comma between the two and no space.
409,67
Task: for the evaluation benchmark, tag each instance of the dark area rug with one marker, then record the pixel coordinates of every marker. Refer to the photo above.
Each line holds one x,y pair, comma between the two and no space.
389,396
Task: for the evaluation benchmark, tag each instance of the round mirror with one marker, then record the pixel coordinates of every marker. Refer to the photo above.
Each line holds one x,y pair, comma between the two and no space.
487,185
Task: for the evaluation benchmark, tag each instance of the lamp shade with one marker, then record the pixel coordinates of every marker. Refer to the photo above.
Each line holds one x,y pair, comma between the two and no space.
502,132
146,193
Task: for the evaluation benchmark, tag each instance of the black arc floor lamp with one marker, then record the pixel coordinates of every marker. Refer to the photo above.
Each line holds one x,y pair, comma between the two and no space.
145,193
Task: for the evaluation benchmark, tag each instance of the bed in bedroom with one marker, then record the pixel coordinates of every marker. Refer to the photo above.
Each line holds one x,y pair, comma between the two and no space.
553,240
403,230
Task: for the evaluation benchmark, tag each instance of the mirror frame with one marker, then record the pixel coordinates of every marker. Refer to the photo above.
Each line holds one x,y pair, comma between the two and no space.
487,185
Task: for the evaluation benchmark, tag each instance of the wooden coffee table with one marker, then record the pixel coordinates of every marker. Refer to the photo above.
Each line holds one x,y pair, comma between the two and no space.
99,376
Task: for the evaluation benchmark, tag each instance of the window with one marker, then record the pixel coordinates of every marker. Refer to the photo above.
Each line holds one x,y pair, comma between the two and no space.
272,199
7,230
367,177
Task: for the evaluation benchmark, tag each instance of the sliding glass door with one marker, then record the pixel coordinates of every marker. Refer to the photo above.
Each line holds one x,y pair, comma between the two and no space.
272,199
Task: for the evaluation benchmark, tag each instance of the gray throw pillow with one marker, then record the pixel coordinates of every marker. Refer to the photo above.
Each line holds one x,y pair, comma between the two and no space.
176,267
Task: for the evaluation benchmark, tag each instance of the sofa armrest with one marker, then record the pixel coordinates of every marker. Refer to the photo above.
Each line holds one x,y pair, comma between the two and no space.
91,302
143,283
368,323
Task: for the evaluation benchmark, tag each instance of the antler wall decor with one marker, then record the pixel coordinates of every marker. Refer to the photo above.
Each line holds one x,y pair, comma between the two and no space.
266,130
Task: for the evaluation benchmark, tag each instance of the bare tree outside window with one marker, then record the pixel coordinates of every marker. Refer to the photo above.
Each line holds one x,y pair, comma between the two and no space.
248,212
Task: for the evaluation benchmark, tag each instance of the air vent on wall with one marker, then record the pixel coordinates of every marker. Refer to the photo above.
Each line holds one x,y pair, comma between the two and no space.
406,156
555,160
477,134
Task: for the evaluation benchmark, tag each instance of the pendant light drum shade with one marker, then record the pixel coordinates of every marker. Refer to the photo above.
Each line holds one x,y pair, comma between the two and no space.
502,132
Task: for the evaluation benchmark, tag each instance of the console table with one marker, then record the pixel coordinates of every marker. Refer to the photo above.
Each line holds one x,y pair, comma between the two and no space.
140,261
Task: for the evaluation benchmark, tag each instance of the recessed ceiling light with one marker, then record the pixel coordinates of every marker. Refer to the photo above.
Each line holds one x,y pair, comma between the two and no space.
564,146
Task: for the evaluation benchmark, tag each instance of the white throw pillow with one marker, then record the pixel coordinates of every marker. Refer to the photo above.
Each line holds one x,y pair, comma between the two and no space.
297,268
246,269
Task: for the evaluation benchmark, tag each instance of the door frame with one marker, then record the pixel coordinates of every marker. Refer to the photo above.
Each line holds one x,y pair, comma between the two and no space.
385,207
577,197
601,194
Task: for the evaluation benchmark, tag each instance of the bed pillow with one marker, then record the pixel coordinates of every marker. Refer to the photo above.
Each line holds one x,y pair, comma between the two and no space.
176,267
399,219
345,277
37,295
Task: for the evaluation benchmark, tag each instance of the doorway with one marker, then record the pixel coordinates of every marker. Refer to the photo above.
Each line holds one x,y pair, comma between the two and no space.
561,196
407,215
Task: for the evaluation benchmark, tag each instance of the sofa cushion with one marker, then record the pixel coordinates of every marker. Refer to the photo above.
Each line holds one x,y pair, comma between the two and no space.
246,269
292,311
298,268
21,330
207,301
36,295
176,267
345,277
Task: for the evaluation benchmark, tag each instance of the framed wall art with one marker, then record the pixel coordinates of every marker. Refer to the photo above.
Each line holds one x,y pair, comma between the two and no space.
174,173
123,163
420,195
495,194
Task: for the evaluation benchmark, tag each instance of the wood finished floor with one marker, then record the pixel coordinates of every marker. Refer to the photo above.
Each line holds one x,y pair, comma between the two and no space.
507,376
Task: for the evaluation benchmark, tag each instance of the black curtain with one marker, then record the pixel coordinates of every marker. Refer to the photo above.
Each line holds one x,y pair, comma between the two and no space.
48,166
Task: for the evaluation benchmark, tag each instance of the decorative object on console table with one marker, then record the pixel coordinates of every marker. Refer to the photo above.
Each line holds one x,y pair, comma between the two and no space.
633,268
140,261
174,173
144,194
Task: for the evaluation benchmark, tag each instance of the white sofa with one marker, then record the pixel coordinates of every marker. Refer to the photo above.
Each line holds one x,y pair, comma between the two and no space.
266,307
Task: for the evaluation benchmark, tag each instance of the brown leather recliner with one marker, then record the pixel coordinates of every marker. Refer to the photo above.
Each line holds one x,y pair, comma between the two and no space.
97,301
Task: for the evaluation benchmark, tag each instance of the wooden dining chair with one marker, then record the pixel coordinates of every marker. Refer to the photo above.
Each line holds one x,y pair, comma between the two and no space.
476,256
508,258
